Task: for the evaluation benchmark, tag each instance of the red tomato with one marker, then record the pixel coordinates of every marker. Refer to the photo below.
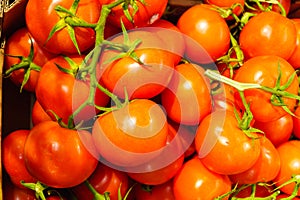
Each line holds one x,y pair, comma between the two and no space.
57,156
60,43
282,196
195,181
268,33
277,131
224,98
264,70
296,123
19,44
131,135
237,9
38,114
13,157
205,30
103,179
265,168
56,88
187,99
147,13
293,59
289,153
141,80
260,191
163,173
220,140
162,192
12,192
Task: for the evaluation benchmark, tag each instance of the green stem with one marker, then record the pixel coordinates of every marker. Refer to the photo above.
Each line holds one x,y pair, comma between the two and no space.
97,196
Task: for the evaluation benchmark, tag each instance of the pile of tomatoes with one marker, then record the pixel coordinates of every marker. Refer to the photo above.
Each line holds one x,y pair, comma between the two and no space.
132,105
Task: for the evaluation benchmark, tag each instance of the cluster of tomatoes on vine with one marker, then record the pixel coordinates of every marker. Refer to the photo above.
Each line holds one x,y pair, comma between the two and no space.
131,106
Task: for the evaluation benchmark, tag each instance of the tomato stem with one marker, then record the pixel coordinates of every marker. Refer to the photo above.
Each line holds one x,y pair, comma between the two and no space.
97,196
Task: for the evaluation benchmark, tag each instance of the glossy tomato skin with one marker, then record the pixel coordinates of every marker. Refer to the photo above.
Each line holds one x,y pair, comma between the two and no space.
218,138
228,4
12,192
268,33
147,13
132,135
146,77
163,191
264,70
293,59
60,43
14,159
57,156
296,123
103,179
277,131
265,168
260,191
165,173
38,114
289,157
205,30
56,88
187,99
186,182
19,44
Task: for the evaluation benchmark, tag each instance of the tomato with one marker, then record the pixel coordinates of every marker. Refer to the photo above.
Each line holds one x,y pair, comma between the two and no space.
164,173
268,33
187,99
296,53
265,70
296,123
57,156
163,192
238,5
224,98
265,168
195,181
147,13
61,43
277,131
38,114
19,44
131,135
13,157
218,137
141,80
103,179
56,88
209,33
282,196
289,157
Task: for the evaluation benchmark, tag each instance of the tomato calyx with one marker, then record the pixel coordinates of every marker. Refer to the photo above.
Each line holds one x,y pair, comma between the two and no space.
261,7
228,12
38,188
25,63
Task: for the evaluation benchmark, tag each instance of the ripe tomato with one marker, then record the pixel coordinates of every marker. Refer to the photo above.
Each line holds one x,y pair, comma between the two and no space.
187,99
12,192
103,179
268,33
265,168
293,59
209,33
165,172
56,88
141,80
195,181
290,161
38,114
163,192
224,98
219,140
61,43
260,191
57,156
147,13
19,44
282,196
13,157
296,123
264,70
131,135
277,131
